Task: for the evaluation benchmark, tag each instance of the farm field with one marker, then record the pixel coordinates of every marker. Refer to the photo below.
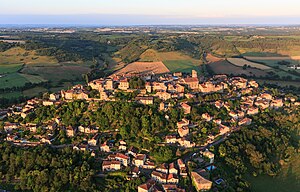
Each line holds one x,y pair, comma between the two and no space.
10,68
144,67
272,58
240,62
210,58
181,65
58,72
12,80
174,61
224,67
287,181
34,91
10,95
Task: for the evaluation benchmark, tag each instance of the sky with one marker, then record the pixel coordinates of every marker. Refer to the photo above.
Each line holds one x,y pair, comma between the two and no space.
149,12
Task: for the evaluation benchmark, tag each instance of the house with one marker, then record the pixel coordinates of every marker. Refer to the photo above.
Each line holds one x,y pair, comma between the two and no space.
124,159
185,143
253,84
183,122
233,114
97,84
177,74
160,87
207,117
179,88
10,126
200,182
146,187
48,103
182,167
148,87
219,104
94,140
245,121
266,96
54,97
253,111
124,84
276,103
263,104
103,96
11,137
191,82
180,163
70,131
139,160
111,165
109,84
122,146
217,121
149,165
145,100
183,131
77,92
163,168
209,155
159,177
171,139
189,96
172,169
194,74
186,108
132,151
135,171
172,178
104,147
163,95
171,188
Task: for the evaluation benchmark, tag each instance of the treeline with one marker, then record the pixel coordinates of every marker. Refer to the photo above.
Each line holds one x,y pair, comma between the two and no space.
6,46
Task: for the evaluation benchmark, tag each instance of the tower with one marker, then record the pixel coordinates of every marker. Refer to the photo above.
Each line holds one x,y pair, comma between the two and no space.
194,73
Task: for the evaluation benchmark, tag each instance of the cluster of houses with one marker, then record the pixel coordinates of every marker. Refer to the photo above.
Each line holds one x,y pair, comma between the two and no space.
164,177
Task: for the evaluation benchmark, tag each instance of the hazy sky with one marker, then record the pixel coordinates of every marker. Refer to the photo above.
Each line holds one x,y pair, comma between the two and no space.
149,11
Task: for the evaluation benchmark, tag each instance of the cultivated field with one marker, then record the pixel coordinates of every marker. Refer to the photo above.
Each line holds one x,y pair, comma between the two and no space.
240,62
224,67
210,58
181,65
144,67
57,73
174,61
10,68
273,58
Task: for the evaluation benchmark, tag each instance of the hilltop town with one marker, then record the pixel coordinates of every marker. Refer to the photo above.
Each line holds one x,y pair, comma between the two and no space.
197,114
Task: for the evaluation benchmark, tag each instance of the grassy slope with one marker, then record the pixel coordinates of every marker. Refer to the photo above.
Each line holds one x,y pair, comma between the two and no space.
19,55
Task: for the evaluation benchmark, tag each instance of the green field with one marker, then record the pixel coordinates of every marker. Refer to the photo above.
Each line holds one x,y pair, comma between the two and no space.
10,68
12,80
181,65
287,181
10,95
57,73
34,91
